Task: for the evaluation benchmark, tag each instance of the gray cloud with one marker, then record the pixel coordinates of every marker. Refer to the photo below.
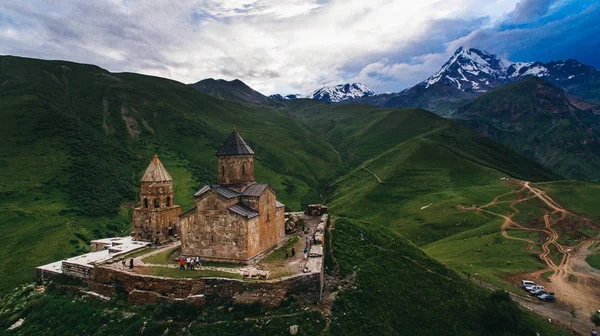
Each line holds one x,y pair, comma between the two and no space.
272,45
530,10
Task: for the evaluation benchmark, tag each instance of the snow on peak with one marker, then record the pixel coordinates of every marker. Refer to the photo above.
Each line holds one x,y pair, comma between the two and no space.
479,71
468,68
342,92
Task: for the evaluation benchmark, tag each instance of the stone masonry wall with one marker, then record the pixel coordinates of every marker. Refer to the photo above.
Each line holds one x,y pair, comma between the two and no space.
267,231
235,169
148,224
143,289
214,232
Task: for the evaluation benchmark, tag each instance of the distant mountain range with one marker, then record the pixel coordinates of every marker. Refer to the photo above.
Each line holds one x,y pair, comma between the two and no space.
545,111
541,121
333,94
234,90
471,72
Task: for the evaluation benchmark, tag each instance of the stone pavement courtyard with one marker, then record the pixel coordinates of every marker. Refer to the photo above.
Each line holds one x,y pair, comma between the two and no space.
163,261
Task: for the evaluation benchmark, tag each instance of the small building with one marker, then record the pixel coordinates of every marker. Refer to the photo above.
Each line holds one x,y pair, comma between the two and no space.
157,218
236,219
316,210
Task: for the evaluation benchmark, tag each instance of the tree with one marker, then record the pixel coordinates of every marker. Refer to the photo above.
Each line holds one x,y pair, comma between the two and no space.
502,316
595,318
573,313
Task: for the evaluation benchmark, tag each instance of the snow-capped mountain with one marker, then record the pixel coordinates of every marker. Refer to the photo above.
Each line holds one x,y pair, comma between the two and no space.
342,92
332,94
472,70
277,96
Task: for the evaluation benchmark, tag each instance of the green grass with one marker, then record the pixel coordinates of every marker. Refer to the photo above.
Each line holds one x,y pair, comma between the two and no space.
56,313
397,287
577,196
485,251
594,260
70,168
177,273
163,258
279,254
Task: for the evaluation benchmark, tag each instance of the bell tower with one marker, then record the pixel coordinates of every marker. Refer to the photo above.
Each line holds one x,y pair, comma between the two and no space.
235,162
157,217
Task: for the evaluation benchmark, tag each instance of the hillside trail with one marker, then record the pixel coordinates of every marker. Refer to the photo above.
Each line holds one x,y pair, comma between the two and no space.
573,280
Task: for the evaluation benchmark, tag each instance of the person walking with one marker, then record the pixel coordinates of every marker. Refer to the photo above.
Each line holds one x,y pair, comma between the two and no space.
198,261
187,262
181,264
594,332
305,253
287,253
192,263
131,263
293,251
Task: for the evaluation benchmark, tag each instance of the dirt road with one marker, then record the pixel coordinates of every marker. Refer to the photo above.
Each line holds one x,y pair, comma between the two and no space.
575,283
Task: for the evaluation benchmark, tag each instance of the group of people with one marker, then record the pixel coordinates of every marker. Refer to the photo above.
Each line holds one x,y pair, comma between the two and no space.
287,252
310,239
124,263
189,263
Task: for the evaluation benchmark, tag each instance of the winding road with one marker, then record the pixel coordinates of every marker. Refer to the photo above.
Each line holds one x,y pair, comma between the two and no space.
573,280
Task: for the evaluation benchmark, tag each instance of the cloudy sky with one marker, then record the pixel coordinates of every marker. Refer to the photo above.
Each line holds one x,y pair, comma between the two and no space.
295,46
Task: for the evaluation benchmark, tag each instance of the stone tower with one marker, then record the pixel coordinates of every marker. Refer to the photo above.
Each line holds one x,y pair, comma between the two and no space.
235,163
157,217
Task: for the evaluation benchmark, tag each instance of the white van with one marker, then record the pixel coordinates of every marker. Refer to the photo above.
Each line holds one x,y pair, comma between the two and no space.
527,283
533,288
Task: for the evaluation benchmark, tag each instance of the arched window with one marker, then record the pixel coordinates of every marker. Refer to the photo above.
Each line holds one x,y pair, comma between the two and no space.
157,203
168,201
244,169
145,202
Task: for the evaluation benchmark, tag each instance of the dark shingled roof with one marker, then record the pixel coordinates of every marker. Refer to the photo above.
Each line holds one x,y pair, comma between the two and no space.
243,210
255,190
219,189
235,145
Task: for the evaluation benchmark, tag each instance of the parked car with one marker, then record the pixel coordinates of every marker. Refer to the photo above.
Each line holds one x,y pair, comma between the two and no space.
547,297
538,292
534,288
527,283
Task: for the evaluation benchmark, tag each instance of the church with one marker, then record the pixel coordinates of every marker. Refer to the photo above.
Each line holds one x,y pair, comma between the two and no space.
235,220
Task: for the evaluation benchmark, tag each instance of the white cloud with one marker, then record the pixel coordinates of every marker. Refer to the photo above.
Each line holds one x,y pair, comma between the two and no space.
272,45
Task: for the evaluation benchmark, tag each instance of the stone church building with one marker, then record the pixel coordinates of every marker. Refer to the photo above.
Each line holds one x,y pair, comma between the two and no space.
157,217
234,220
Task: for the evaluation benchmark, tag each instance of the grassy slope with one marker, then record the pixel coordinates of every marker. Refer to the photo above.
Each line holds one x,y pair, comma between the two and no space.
422,158
71,166
398,289
394,288
538,120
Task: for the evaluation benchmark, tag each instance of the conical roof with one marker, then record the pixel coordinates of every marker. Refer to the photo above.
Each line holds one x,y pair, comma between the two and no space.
156,172
235,145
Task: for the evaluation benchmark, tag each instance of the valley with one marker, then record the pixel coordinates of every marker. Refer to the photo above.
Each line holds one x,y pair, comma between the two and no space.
398,176
572,280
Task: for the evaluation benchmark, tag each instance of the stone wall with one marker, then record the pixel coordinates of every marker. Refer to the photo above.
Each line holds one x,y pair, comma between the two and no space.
235,169
143,289
148,224
213,232
77,270
267,231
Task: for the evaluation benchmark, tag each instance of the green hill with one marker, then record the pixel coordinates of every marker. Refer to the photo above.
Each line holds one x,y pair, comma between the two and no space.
76,138
541,121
